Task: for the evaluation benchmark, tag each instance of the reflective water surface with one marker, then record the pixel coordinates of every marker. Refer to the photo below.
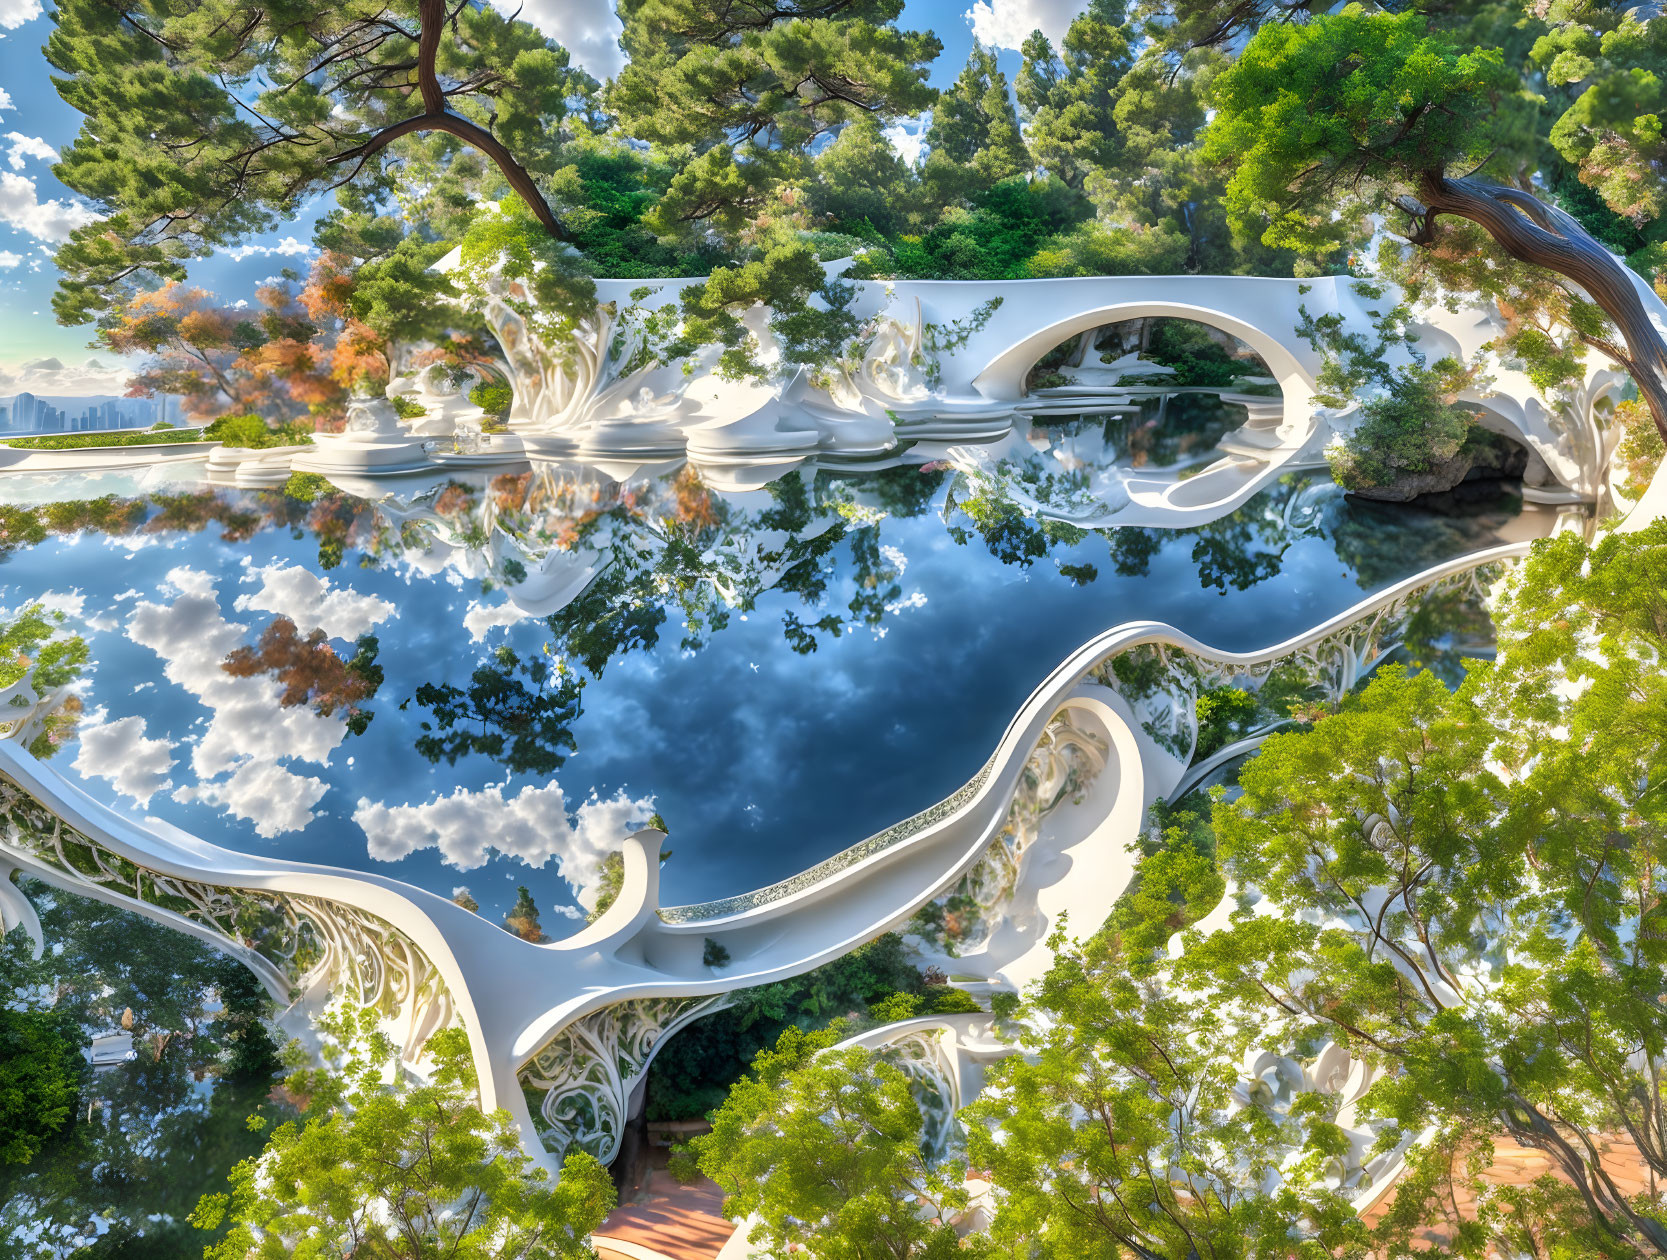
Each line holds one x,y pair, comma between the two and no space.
451,679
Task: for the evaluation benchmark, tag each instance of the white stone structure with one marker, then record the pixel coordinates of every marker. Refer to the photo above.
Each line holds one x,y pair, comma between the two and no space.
562,1032
946,362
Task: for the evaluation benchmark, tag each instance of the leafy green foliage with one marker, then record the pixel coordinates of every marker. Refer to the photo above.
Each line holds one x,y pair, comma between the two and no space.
1411,429
407,1170
251,432
692,1073
1087,1115
84,441
205,126
148,1136
517,712
40,1075
1510,833
493,397
1224,714
824,1150
1305,140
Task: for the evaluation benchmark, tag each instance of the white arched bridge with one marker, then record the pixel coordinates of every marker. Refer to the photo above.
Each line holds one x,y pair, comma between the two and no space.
563,1032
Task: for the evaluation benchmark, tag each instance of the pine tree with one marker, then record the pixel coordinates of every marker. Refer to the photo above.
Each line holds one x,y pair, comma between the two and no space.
522,918
974,138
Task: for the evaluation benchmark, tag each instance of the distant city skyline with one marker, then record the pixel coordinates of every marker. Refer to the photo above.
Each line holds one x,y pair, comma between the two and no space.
29,413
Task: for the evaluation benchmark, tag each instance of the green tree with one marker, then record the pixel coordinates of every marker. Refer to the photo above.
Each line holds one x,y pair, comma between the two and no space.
518,712
861,179
1410,430
1069,99
206,124
742,90
1406,131
1463,888
825,1150
974,141
40,1075
411,1170
1119,1131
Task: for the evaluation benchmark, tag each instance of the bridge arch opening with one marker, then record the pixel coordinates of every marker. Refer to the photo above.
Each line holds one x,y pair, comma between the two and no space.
1154,392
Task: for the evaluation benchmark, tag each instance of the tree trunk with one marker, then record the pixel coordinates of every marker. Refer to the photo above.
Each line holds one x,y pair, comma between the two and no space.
436,117
1531,231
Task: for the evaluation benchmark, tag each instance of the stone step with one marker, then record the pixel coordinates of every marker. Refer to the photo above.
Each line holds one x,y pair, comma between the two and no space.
1250,441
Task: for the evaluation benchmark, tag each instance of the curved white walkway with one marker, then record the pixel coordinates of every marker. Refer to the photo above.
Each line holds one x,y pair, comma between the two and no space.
638,970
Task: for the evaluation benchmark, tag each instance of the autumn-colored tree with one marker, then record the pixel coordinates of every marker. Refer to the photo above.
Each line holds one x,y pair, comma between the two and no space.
311,672
522,918
220,358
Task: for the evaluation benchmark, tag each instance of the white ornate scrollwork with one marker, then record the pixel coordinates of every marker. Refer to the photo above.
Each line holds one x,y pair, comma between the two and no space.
1066,760
935,1083
362,957
578,1083
1161,681
602,371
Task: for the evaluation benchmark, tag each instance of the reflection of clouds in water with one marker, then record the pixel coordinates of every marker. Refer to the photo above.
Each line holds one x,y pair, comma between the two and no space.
273,798
312,603
248,733
532,825
72,605
121,753
482,619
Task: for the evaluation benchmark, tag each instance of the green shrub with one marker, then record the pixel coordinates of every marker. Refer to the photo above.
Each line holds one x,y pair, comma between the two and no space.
407,407
306,487
251,432
493,397
1406,431
81,441
1223,716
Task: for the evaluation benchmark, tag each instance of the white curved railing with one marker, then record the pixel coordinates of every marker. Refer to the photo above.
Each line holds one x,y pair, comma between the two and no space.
633,975
1045,700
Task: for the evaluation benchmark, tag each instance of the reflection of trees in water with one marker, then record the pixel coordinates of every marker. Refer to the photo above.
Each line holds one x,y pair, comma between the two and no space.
1239,550
516,711
1383,542
610,566
311,673
150,1136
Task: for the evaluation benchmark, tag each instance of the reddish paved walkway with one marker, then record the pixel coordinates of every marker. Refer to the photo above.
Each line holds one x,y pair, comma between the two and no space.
678,1221
1515,1165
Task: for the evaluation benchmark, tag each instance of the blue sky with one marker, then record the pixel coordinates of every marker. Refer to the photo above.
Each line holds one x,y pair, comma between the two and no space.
37,212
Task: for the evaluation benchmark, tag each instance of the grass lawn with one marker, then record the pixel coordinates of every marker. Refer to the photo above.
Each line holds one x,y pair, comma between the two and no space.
76,441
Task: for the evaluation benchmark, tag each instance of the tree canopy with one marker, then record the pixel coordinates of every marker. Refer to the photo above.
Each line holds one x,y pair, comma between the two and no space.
402,1170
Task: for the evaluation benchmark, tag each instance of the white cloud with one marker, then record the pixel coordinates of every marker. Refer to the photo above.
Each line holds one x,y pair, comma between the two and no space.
52,220
1008,23
532,825
120,753
311,603
276,800
23,147
8,260
481,618
50,378
72,605
589,32
908,137
288,247
14,13
5,96
249,733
